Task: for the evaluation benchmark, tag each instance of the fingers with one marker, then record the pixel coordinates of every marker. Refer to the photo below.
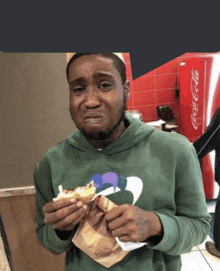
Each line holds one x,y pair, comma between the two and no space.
70,221
118,217
126,238
56,205
123,223
64,214
94,205
114,213
58,214
117,223
126,233
122,228
96,219
95,215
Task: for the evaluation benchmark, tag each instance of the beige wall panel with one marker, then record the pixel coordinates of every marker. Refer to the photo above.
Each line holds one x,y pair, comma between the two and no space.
34,114
27,254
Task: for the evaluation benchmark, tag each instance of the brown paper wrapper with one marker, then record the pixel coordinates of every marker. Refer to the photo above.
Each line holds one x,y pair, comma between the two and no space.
98,243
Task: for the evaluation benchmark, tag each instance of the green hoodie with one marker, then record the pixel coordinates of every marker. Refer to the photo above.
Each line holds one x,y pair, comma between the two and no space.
157,171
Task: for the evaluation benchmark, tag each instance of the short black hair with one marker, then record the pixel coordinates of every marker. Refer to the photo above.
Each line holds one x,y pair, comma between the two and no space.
117,62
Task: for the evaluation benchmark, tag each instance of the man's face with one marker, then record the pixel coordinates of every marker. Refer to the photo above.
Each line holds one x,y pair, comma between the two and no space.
97,97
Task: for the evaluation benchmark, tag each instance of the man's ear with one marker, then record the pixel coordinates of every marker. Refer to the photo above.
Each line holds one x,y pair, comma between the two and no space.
127,92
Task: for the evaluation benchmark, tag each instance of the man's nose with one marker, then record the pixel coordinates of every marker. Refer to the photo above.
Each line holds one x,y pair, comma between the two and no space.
92,99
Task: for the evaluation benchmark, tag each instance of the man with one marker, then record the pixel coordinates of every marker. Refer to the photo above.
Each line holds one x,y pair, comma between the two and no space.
156,176
208,142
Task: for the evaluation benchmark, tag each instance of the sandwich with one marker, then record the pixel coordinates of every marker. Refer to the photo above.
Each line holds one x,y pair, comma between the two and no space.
81,193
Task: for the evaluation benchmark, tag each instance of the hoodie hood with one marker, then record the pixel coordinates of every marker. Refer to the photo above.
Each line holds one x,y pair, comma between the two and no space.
135,132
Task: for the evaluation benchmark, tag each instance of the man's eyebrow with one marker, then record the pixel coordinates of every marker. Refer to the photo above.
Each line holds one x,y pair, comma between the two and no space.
103,74
96,75
77,80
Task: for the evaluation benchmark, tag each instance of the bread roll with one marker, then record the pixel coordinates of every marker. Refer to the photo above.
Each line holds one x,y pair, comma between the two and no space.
83,193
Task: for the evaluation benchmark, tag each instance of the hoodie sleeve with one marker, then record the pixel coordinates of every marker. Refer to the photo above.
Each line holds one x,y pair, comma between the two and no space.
46,234
190,224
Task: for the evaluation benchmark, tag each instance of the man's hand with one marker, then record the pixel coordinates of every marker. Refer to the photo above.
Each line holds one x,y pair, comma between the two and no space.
133,224
96,218
64,214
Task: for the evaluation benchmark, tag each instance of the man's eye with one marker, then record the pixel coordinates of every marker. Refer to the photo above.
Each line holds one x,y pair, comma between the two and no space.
78,90
105,86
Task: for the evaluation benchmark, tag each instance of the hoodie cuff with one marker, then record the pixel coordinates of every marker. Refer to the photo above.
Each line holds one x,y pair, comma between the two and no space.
56,244
170,234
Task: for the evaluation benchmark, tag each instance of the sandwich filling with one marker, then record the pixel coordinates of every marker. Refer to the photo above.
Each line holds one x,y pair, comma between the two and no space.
79,193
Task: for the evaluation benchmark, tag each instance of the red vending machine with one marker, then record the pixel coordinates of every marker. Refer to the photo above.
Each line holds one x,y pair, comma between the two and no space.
199,98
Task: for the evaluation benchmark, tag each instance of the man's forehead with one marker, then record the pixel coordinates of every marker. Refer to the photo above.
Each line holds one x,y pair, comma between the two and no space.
92,65
70,55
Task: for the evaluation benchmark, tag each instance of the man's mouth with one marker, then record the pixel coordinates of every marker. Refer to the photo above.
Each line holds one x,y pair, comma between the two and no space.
93,118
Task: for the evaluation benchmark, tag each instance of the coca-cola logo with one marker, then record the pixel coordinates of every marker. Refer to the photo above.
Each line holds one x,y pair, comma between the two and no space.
194,83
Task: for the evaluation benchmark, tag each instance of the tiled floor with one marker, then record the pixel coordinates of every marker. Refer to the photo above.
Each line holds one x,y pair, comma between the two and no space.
199,259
